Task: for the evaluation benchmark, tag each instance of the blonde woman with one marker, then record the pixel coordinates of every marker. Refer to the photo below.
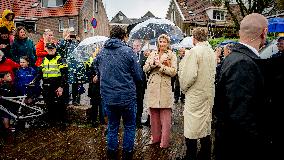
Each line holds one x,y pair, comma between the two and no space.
41,51
161,65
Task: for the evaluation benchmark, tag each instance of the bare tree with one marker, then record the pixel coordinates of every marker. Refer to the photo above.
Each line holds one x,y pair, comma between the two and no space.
280,4
246,7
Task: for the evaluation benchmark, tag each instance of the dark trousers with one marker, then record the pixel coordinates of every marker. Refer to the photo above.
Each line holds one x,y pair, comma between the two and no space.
56,106
76,97
177,93
140,96
128,114
97,110
204,152
237,146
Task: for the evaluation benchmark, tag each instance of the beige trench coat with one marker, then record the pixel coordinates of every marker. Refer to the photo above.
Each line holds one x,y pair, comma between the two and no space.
159,90
197,76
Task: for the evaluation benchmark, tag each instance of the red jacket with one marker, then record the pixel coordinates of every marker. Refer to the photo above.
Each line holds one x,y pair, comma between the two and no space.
40,52
7,66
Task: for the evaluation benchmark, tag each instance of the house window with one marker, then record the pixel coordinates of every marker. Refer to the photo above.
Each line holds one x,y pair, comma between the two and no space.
71,23
173,16
61,25
29,25
86,25
96,6
52,3
218,15
233,2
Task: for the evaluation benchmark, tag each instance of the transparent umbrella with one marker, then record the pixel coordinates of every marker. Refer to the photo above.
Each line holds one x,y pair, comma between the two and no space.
184,43
88,47
152,28
187,42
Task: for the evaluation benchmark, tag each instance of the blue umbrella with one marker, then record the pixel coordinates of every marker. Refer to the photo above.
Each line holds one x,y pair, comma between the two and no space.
276,25
222,44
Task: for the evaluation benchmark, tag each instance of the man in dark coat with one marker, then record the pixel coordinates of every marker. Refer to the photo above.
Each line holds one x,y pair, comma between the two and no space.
240,110
274,74
139,86
118,72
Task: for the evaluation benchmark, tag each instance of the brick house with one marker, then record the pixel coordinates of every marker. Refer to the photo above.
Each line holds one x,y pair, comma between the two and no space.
188,14
128,23
38,15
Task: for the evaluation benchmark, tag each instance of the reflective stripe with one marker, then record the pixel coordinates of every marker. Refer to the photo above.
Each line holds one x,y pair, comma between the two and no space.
51,72
51,75
51,68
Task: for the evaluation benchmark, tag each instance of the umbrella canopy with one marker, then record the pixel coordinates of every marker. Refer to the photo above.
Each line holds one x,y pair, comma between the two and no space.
149,46
93,40
184,43
187,42
174,40
276,25
89,47
222,44
152,28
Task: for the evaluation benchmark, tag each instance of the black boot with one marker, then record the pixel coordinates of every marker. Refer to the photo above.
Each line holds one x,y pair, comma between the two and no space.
147,123
112,155
127,155
139,124
191,149
8,136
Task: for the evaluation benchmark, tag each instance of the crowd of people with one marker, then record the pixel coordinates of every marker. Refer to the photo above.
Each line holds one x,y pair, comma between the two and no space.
231,90
45,68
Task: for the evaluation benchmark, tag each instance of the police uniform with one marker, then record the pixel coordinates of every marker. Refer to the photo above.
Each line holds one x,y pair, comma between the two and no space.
54,75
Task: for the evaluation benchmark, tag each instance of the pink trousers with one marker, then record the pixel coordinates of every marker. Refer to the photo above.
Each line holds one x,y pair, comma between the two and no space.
161,119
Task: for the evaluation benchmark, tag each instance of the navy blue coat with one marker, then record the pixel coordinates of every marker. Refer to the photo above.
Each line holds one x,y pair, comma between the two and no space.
118,70
23,77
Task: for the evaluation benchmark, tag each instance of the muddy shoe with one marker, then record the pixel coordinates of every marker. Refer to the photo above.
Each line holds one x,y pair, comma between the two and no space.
127,155
95,124
112,155
8,136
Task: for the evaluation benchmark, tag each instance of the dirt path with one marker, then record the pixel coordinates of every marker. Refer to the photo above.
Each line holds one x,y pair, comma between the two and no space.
87,143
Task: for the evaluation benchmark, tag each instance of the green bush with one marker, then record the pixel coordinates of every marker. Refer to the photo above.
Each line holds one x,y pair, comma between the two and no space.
214,42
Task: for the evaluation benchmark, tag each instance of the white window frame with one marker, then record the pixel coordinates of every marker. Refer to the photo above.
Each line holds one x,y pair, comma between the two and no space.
18,22
173,16
60,25
85,25
219,16
50,5
71,19
96,6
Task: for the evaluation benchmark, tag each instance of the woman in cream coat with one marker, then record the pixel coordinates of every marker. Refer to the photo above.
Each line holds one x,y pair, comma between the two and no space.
197,76
161,65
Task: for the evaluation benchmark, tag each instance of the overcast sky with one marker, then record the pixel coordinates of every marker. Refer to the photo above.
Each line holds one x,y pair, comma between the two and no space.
136,8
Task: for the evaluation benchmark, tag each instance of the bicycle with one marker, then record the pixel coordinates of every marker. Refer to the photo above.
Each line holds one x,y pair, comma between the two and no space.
21,109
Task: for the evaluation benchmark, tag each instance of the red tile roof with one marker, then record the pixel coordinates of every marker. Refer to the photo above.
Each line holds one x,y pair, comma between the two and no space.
197,7
24,8
5,4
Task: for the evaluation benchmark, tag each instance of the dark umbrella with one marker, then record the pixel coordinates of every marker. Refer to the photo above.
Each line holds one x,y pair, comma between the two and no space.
152,28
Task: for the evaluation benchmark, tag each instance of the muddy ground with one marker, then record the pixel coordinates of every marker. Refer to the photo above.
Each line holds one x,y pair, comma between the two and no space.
81,141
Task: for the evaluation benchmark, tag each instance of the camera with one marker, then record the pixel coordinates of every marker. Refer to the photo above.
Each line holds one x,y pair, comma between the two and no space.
73,36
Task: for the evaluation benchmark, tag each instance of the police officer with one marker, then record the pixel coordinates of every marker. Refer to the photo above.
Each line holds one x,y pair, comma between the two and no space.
54,75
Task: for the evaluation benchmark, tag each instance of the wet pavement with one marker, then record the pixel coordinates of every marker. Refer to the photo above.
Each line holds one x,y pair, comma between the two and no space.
87,143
